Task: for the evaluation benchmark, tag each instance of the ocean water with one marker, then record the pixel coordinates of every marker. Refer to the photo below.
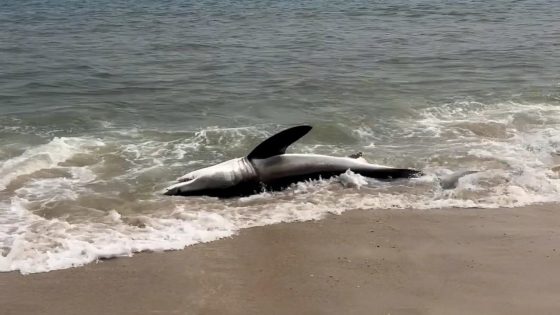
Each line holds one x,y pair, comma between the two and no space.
104,103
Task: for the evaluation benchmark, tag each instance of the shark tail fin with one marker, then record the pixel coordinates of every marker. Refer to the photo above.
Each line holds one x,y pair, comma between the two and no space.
450,181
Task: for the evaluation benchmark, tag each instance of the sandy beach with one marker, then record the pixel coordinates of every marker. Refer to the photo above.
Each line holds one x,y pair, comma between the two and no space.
447,261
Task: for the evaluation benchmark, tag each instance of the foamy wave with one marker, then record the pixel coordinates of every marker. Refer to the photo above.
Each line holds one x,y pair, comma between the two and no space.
42,157
58,188
39,244
43,245
511,146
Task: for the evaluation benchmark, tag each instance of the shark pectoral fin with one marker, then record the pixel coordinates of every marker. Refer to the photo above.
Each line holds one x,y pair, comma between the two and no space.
278,143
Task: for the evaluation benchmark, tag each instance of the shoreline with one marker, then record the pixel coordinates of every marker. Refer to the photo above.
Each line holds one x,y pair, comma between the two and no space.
440,261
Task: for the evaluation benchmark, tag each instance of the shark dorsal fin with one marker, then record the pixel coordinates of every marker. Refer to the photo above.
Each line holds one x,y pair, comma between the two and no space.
278,143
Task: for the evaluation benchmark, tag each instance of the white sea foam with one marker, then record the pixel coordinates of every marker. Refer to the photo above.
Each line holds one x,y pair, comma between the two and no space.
42,157
510,145
48,244
58,188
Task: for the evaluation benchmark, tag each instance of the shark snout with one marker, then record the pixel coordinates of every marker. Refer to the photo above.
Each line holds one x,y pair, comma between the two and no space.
171,190
175,189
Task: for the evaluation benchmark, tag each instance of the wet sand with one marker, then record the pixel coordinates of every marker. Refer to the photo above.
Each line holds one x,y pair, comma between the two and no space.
448,261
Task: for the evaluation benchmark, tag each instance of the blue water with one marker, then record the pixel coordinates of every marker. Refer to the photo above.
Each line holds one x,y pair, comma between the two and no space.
103,103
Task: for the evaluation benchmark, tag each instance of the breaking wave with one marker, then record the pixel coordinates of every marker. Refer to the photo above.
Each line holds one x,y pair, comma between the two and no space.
75,200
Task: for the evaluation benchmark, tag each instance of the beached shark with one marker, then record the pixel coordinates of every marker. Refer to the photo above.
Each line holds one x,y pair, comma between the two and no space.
268,167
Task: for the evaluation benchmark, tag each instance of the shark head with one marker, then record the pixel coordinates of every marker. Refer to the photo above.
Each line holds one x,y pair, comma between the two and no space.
216,177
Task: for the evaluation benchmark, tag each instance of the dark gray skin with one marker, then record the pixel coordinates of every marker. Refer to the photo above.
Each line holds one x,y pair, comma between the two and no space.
268,167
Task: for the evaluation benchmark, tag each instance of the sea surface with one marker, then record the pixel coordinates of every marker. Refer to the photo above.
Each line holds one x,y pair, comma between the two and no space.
104,103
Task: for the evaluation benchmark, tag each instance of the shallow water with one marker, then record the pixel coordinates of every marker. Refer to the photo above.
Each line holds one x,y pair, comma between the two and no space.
103,104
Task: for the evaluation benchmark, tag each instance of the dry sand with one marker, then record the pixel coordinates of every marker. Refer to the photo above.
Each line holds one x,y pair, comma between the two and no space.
449,261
